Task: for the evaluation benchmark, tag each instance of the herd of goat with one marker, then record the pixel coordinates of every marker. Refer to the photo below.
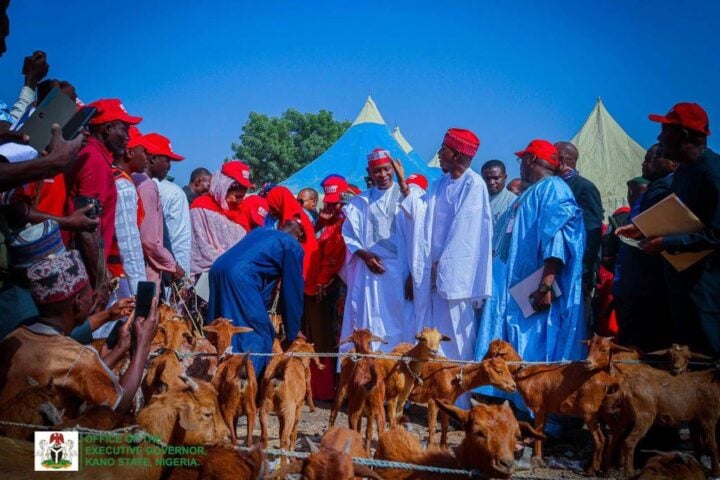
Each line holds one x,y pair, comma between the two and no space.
194,390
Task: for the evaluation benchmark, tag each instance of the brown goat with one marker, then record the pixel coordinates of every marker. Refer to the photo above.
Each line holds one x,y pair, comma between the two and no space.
672,466
237,388
224,462
220,333
649,396
35,405
332,460
189,417
491,433
442,381
401,376
163,375
680,356
285,392
577,389
366,387
186,417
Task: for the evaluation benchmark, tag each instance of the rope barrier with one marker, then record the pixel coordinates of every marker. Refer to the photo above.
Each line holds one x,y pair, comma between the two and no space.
357,356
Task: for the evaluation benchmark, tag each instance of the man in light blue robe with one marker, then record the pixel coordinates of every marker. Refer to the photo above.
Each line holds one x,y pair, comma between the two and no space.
543,229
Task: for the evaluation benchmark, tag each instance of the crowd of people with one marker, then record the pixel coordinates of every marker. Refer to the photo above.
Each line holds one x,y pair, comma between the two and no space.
85,221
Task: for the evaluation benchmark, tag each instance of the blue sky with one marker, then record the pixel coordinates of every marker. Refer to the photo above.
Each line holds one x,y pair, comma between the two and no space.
510,71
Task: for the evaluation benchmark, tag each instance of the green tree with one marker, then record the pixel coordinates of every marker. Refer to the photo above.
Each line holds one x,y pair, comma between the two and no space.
277,147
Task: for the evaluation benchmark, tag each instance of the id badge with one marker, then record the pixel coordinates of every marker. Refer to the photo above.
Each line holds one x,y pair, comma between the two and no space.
510,225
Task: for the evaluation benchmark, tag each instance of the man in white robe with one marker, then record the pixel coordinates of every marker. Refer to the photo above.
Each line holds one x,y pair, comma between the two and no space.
452,249
376,263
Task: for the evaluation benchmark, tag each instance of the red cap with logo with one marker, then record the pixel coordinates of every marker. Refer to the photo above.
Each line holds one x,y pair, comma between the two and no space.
156,144
238,171
334,187
687,115
109,110
417,179
543,150
462,141
257,208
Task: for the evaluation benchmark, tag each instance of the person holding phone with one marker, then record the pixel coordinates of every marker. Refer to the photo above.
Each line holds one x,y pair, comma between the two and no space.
61,290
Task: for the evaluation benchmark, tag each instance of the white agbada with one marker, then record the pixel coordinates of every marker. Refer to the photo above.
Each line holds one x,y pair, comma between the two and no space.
452,258
376,301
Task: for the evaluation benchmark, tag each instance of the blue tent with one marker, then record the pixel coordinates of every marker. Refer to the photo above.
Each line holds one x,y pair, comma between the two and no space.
348,156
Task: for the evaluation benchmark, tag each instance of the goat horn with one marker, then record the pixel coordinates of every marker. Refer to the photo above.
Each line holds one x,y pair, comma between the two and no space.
313,448
474,403
700,356
31,382
190,382
365,472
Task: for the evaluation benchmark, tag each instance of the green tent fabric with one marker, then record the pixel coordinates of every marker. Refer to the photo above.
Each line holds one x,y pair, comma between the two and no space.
608,157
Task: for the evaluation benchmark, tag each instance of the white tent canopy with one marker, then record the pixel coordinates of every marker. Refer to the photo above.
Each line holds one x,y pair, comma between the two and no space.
608,157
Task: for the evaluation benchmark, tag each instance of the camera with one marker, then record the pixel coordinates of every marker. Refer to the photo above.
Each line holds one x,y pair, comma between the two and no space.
83,201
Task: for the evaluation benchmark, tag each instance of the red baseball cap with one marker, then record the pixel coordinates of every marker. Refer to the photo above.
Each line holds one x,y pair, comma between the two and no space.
156,144
257,208
688,115
334,188
417,179
238,171
137,138
109,110
542,149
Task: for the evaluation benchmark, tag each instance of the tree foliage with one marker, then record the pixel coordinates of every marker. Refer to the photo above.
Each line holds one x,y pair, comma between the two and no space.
277,147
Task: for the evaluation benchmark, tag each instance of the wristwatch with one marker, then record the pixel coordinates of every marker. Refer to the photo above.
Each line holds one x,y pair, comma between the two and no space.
544,288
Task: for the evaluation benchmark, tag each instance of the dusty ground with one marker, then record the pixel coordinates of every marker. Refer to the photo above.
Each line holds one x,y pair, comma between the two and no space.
565,457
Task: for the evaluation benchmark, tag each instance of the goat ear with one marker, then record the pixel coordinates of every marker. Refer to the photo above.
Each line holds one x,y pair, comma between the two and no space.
664,351
364,472
375,338
210,328
529,431
619,348
185,418
445,338
347,447
311,445
585,342
457,413
242,330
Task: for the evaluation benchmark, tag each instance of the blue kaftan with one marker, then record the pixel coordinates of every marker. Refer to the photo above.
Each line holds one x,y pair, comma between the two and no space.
242,281
544,222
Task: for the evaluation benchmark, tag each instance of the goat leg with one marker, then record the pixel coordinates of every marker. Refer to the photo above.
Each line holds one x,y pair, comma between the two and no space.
337,404
643,422
432,421
537,457
444,427
308,390
598,441
708,430
251,412
264,417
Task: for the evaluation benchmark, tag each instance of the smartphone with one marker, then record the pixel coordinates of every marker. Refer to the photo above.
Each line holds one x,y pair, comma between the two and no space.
143,300
55,108
78,122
